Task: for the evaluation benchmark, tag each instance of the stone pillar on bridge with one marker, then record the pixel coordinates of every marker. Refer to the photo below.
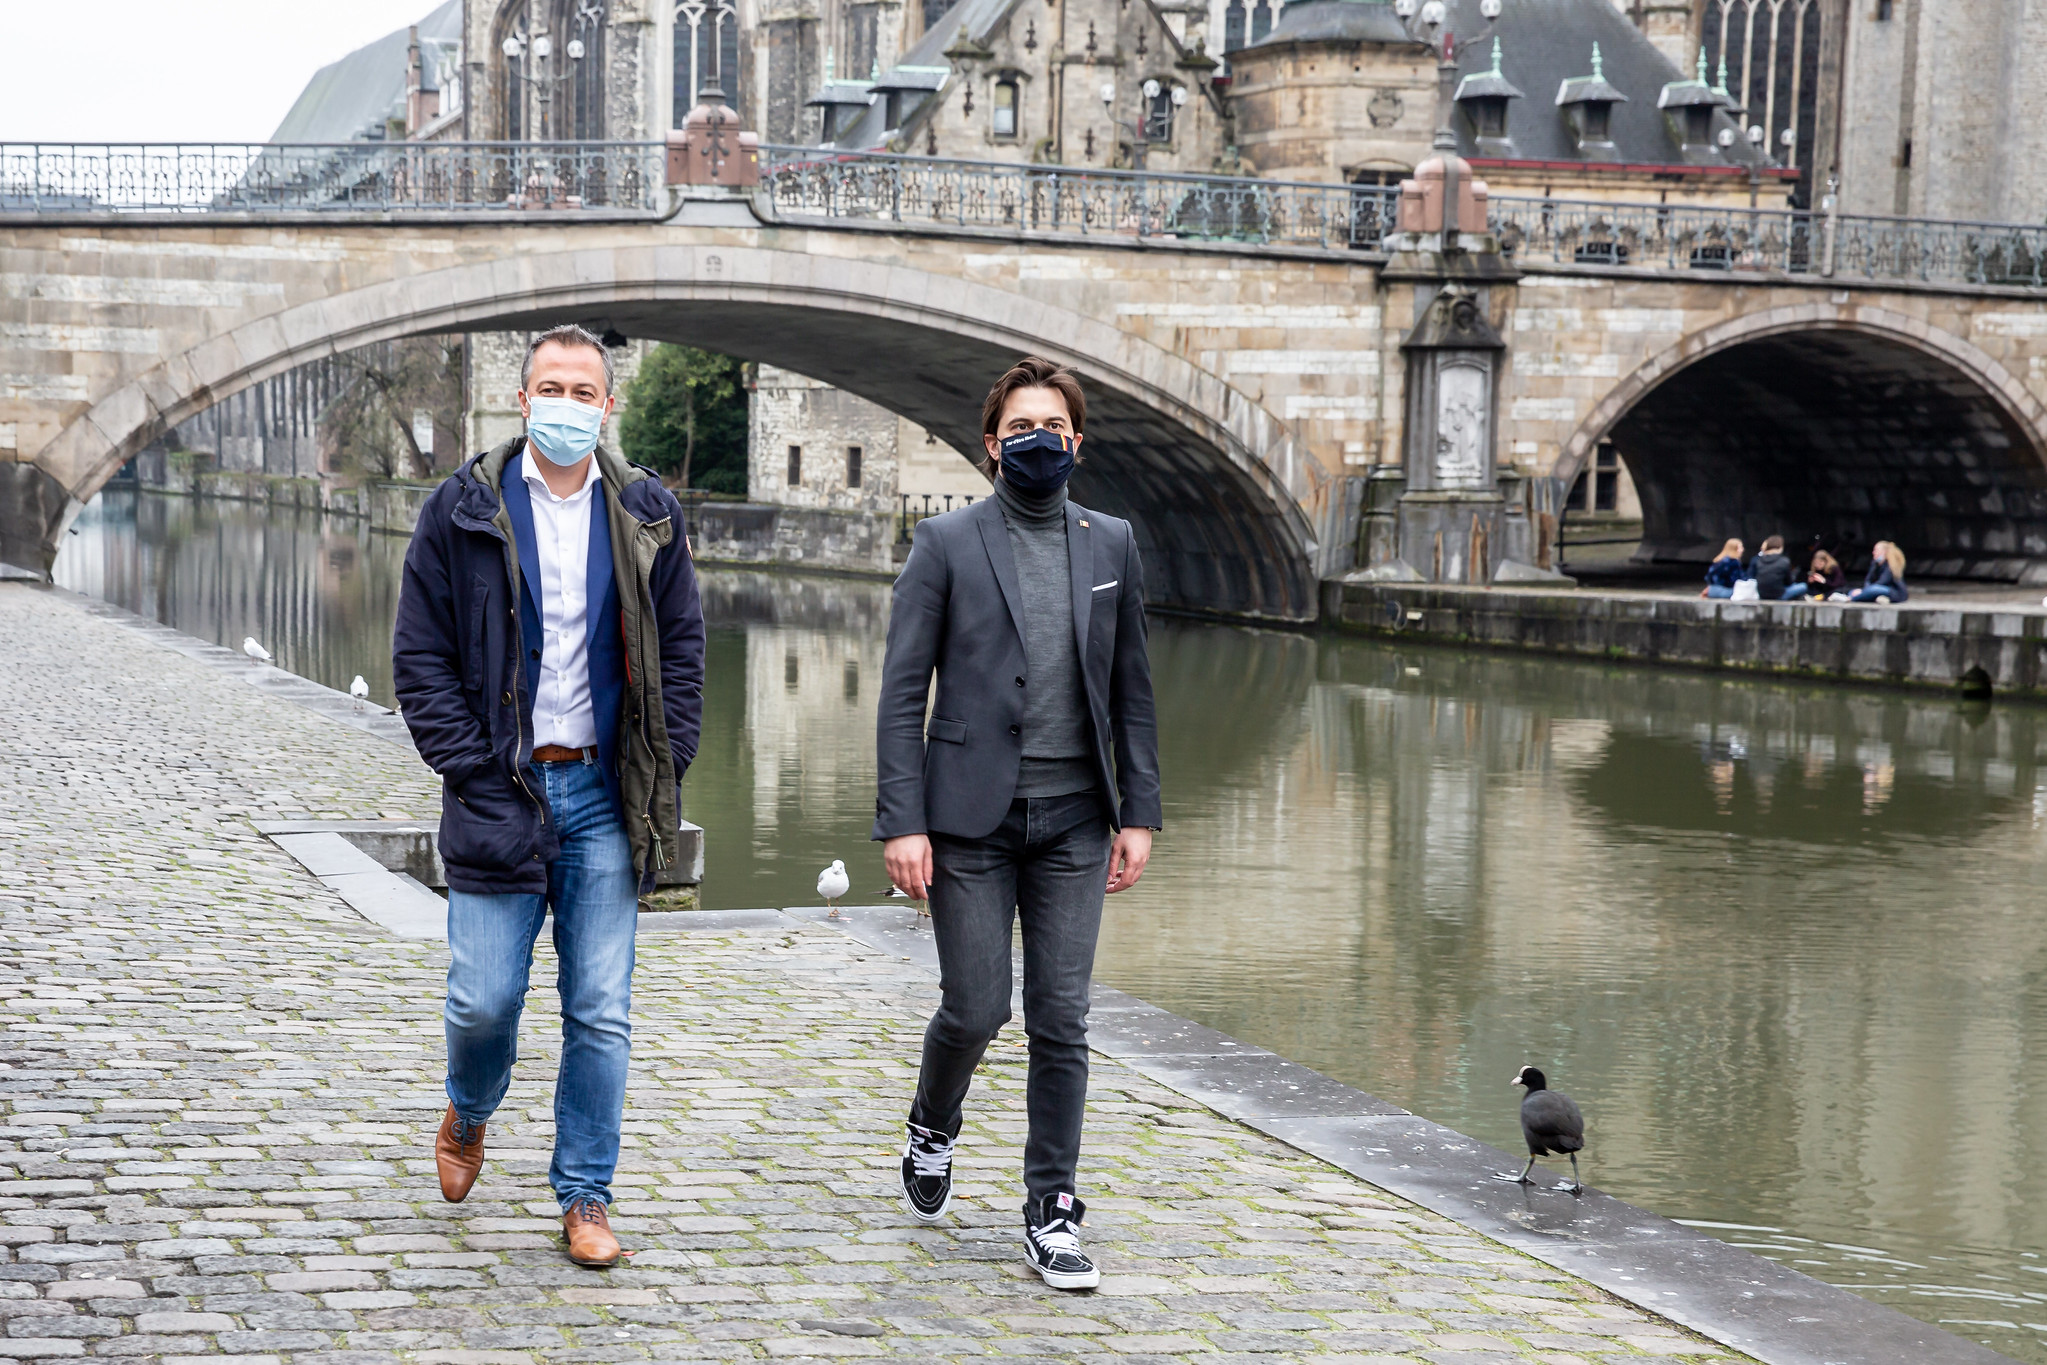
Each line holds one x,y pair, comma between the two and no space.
1450,514
711,149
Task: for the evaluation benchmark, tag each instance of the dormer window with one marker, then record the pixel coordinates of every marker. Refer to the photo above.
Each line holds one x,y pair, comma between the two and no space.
1004,117
1587,103
1691,107
1484,97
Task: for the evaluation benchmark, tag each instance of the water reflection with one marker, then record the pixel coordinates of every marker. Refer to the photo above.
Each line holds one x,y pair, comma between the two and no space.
1781,942
319,592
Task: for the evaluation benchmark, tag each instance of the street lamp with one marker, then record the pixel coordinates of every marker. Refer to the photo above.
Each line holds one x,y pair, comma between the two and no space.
1423,20
544,85
1150,91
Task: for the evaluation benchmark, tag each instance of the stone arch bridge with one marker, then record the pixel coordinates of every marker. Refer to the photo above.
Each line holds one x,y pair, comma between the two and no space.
1250,372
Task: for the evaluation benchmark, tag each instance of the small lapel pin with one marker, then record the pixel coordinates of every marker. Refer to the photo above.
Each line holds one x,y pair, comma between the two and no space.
1083,521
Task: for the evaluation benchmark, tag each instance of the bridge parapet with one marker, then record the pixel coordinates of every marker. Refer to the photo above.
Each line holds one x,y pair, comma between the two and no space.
188,178
825,187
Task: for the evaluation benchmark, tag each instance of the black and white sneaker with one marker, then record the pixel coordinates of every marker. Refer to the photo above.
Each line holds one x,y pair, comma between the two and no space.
927,1173
1052,1243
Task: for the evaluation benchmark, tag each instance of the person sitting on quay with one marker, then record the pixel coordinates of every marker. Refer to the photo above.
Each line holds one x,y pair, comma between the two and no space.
1725,570
549,656
1885,581
1823,577
1772,570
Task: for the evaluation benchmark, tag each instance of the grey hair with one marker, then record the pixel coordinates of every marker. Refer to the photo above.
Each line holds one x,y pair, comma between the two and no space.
568,334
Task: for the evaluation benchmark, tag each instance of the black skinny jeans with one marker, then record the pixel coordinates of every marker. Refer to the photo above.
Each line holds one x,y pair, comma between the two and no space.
1048,863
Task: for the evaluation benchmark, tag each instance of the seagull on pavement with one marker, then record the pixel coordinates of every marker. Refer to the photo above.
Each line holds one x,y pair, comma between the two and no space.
833,883
255,651
360,690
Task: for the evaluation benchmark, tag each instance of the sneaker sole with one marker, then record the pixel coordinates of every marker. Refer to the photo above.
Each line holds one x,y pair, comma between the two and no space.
1054,1279
920,1215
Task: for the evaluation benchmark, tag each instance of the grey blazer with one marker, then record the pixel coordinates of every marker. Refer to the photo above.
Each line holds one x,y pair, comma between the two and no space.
958,609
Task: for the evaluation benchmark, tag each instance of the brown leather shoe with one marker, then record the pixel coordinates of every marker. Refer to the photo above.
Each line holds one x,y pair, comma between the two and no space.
589,1233
458,1155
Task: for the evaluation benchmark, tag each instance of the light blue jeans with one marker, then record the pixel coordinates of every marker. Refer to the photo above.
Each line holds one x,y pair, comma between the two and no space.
595,896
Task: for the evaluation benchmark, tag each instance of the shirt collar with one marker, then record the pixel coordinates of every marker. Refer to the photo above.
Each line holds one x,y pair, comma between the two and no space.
529,469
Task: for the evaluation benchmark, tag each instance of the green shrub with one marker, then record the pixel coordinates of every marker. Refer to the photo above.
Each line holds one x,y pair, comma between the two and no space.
685,415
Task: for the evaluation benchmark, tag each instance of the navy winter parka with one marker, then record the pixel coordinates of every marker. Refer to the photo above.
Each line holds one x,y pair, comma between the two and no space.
465,672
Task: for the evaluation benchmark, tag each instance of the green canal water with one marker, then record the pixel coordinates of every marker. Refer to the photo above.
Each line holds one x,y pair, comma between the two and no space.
1783,943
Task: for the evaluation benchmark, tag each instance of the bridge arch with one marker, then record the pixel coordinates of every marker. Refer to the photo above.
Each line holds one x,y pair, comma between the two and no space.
1211,481
1850,423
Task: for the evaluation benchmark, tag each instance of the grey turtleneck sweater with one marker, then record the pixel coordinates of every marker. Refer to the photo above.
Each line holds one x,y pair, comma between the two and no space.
1056,759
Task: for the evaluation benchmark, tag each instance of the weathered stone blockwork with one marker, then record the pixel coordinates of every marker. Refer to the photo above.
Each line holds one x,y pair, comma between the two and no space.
2005,651
1235,395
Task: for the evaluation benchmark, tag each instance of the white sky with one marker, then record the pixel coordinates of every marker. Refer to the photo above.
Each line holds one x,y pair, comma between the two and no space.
174,70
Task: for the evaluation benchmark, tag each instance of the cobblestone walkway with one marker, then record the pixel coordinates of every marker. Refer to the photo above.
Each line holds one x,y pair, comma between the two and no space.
220,1086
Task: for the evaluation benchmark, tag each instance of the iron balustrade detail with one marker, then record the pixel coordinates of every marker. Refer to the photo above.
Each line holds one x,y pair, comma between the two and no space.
336,177
1792,241
936,192
826,185
908,518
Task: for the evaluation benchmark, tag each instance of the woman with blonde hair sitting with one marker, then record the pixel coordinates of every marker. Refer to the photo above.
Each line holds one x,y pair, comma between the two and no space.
1725,570
1886,579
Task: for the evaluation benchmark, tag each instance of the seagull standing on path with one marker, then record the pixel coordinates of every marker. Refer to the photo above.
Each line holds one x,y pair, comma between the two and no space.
360,690
255,651
833,883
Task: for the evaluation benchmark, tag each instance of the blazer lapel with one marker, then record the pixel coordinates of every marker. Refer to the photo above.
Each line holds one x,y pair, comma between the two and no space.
995,538
1080,562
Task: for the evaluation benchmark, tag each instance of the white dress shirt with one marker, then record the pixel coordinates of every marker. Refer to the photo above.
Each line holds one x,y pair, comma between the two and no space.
562,710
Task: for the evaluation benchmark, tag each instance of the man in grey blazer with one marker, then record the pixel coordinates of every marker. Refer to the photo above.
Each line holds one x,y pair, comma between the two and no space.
1005,804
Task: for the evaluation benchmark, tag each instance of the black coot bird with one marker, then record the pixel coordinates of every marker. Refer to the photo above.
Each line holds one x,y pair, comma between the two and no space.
1552,1123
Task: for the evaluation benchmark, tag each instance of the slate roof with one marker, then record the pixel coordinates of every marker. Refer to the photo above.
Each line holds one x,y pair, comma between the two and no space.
1543,44
348,99
980,18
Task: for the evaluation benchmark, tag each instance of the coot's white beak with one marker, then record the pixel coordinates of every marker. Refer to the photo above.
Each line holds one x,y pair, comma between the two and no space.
1515,1079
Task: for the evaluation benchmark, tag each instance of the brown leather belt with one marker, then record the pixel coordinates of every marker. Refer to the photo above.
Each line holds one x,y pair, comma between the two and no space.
558,753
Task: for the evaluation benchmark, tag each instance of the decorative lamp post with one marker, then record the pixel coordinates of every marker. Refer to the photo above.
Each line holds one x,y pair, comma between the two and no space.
544,84
1424,20
1138,141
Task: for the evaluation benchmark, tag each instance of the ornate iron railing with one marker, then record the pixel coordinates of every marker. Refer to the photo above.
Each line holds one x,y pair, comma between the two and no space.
346,177
809,182
935,192
1677,237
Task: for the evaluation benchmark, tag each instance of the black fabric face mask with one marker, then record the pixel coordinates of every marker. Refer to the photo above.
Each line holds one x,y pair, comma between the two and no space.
1036,462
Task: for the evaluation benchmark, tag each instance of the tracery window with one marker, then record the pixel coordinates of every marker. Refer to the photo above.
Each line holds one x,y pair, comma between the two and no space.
706,53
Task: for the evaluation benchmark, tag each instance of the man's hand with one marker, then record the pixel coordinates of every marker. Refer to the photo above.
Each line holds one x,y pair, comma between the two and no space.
1127,857
908,858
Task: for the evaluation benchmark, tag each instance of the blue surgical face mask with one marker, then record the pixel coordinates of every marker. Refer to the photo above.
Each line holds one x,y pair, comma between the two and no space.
1037,461
561,429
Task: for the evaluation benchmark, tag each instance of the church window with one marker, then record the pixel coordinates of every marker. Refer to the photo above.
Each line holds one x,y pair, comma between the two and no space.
706,53
1005,117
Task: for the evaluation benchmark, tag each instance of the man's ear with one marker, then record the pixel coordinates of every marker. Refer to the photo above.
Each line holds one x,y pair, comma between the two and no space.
993,446
525,404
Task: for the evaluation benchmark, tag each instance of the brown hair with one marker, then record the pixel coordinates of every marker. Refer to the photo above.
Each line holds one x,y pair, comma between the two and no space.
1774,545
568,334
1032,372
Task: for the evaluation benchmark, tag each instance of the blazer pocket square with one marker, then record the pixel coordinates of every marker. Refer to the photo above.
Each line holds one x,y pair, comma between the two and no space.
1104,587
950,731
